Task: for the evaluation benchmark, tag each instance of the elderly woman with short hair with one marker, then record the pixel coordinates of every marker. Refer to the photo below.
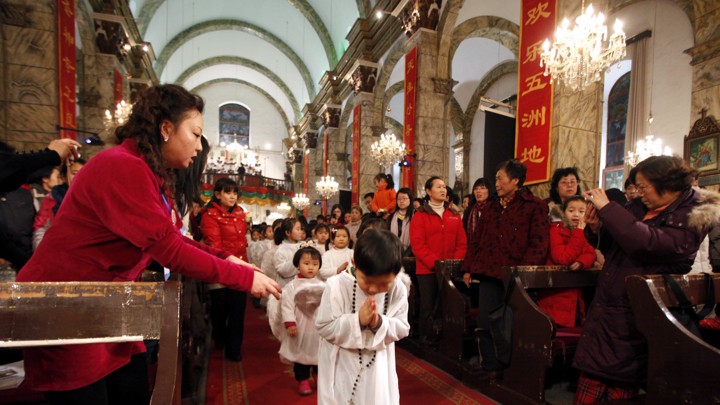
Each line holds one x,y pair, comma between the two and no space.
660,232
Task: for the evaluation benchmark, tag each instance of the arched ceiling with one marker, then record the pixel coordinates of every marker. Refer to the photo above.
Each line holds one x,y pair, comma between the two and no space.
281,46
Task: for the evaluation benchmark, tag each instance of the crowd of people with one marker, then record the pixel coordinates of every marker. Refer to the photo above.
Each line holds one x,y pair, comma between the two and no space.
334,287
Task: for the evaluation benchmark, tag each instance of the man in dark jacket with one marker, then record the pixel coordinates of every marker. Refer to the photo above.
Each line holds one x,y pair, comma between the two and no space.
513,230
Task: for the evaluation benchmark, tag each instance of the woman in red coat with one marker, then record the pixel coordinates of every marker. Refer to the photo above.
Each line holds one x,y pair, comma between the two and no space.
223,227
436,233
120,216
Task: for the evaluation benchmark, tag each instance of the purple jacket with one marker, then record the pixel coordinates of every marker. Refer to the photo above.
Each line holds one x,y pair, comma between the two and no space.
516,235
611,346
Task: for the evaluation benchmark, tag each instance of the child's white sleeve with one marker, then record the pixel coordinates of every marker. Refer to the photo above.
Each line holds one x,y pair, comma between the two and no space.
333,324
287,303
283,264
328,268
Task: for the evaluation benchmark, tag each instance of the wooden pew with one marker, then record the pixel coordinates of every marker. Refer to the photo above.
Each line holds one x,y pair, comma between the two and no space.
533,341
682,369
457,325
42,314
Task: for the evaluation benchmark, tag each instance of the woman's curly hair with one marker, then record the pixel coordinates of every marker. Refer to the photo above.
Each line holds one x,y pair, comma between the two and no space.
669,173
154,106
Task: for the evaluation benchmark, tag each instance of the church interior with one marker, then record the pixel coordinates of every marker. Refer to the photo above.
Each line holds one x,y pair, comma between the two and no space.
306,101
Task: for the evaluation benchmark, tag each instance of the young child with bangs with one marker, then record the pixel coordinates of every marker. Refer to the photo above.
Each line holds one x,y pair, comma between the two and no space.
568,247
363,312
322,235
299,304
336,258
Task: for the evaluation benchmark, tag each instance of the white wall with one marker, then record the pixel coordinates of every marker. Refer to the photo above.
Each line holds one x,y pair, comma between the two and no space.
267,129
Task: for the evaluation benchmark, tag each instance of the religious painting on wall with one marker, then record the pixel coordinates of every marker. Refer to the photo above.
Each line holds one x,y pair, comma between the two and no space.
234,124
617,121
613,178
701,148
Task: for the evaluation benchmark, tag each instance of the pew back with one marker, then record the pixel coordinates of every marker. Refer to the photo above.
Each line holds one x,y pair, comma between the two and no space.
41,314
682,368
533,330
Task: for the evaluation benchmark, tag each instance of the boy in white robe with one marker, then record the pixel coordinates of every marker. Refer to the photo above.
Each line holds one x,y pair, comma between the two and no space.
362,314
299,303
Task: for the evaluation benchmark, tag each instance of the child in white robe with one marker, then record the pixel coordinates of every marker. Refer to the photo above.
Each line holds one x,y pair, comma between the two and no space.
337,258
362,314
299,303
287,238
322,235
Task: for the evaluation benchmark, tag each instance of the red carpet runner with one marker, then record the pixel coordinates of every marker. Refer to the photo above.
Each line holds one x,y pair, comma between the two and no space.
262,379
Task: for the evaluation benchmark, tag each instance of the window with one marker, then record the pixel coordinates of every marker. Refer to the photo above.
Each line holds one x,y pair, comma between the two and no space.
617,121
234,124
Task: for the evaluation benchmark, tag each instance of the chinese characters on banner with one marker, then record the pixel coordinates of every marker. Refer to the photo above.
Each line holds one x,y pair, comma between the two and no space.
326,159
306,178
355,197
408,172
118,87
66,67
535,93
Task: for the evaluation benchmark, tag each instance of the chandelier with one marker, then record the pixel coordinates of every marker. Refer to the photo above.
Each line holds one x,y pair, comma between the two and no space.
580,55
284,207
388,150
327,187
119,117
300,201
646,148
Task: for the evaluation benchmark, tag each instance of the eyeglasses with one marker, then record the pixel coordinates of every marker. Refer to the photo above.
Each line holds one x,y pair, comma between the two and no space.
403,199
641,188
569,183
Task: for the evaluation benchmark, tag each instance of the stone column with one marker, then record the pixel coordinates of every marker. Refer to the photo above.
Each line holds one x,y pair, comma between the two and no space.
334,157
432,124
706,61
362,77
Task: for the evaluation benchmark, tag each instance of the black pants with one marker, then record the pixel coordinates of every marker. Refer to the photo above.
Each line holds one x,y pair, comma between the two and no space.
227,314
490,296
127,385
430,317
302,371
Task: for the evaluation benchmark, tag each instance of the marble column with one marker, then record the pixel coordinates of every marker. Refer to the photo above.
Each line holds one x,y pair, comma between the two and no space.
706,60
432,123
369,133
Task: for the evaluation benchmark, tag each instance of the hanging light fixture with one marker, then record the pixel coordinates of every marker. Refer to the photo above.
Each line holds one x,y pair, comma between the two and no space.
388,150
284,207
119,116
580,55
300,201
646,148
327,187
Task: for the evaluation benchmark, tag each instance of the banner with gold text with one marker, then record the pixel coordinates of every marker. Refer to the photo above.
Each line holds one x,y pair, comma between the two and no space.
306,178
535,93
408,172
326,160
355,195
66,67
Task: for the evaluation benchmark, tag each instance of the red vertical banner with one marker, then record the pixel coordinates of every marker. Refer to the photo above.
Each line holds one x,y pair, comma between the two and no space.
118,87
408,172
326,160
306,178
357,115
535,92
67,116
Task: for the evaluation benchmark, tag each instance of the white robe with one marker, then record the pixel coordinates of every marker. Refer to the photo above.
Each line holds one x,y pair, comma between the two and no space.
283,262
332,259
342,337
299,303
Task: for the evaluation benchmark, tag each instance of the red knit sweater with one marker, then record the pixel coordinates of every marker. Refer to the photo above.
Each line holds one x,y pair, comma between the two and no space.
111,225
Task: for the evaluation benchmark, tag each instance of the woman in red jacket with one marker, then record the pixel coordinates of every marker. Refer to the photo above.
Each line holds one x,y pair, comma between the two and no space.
113,234
436,233
223,227
383,203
